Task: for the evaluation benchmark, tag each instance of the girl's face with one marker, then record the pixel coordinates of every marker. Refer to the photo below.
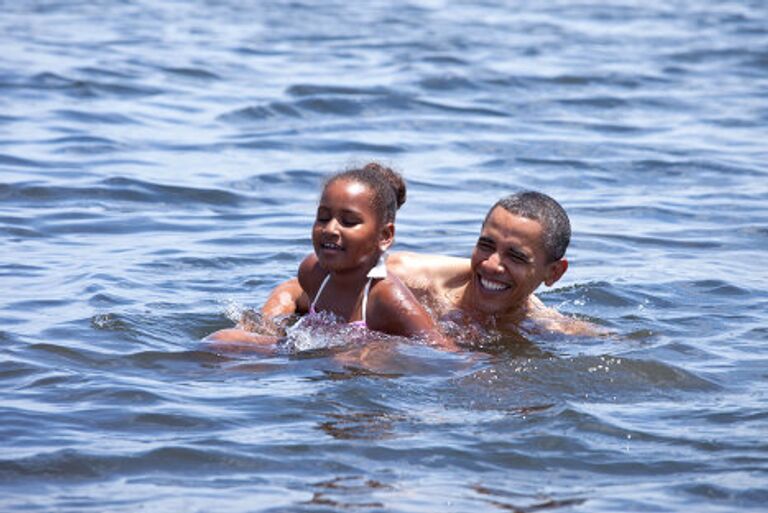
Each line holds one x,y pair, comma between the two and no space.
347,233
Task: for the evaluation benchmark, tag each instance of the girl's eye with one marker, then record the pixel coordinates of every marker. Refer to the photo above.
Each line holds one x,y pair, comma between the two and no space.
349,222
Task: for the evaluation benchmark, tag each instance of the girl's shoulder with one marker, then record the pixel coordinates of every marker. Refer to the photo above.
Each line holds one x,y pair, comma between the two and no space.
393,309
390,291
310,274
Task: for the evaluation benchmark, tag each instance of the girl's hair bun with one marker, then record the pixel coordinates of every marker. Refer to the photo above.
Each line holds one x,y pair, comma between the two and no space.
387,186
393,178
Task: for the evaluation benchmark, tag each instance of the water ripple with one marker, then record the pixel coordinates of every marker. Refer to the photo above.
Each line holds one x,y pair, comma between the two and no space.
160,160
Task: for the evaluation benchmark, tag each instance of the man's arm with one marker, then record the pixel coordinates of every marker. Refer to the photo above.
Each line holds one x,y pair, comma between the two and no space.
554,321
426,272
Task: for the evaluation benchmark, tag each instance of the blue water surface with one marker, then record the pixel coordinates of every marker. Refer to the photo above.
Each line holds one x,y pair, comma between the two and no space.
159,167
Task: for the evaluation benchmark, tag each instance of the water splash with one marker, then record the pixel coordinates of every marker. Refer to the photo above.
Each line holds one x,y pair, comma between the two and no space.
321,330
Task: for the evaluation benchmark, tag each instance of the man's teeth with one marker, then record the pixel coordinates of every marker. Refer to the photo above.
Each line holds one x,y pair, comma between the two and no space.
493,285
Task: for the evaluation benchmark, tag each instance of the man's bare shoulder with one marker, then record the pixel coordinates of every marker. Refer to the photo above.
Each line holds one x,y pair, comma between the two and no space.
416,269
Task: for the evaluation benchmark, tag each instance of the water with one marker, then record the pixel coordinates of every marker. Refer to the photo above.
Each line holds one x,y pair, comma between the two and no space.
159,164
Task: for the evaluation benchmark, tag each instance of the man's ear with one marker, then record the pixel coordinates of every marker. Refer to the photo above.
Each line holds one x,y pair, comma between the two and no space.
387,236
555,271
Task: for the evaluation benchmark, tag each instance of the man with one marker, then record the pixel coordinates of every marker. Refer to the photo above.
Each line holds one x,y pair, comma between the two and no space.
522,244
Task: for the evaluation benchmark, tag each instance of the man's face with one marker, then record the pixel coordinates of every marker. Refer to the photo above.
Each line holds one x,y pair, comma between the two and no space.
509,262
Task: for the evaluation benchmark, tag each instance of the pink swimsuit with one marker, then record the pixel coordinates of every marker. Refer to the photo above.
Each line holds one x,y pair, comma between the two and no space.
361,322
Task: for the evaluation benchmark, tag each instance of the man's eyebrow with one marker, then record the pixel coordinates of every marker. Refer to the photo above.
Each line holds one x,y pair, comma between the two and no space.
483,238
519,254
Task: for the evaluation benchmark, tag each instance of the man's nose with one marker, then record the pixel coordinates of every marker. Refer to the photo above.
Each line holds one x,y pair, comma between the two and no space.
494,262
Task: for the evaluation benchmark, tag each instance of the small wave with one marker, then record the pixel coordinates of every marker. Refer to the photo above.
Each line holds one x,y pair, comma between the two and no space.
160,359
13,371
708,55
84,144
522,381
667,242
115,394
196,73
105,72
74,464
324,90
16,233
600,102
261,112
297,109
447,83
12,161
82,88
625,81
81,139
712,287
331,105
555,162
605,294
103,300
296,179
351,107
517,501
21,270
109,118
72,355
462,109
744,488
353,147
120,189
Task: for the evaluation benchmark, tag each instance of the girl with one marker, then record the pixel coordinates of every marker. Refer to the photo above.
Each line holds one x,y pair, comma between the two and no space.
346,275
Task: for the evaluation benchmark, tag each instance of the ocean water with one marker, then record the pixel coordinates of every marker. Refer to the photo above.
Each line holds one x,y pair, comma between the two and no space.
159,166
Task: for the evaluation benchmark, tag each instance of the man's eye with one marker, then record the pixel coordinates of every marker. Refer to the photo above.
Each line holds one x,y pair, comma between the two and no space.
520,259
484,245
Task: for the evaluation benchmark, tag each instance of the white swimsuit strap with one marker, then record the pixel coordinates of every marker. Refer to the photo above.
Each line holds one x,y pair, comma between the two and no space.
365,297
320,290
325,282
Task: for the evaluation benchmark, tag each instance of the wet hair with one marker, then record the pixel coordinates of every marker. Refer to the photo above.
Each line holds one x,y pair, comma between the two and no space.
539,207
388,188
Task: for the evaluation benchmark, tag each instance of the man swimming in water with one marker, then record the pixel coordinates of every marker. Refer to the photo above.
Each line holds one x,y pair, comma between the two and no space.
522,244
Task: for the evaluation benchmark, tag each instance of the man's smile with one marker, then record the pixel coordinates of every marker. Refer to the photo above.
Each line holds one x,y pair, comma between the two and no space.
492,285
